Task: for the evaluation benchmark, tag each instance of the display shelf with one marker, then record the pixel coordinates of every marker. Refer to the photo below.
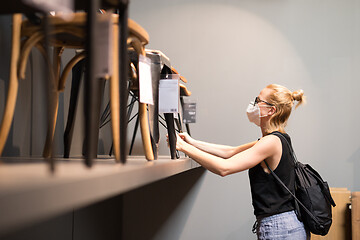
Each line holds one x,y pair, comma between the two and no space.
29,192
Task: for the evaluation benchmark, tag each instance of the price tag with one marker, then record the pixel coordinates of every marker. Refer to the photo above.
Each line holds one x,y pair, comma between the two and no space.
189,112
169,94
145,81
104,43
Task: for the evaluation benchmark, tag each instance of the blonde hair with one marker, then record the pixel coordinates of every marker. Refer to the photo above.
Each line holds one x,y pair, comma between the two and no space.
283,99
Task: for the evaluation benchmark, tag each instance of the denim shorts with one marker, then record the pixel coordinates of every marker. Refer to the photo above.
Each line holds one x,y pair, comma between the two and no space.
281,226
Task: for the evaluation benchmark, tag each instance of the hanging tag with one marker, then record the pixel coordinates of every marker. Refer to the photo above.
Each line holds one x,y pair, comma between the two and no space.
169,94
189,112
145,81
104,43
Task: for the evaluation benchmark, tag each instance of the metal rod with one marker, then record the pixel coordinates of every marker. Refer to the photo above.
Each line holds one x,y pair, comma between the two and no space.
134,134
91,86
123,75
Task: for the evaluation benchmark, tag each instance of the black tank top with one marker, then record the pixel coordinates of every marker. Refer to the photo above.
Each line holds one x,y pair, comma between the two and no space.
268,196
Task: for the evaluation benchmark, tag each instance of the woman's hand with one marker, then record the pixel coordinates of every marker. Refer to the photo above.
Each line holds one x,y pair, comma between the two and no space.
186,137
180,141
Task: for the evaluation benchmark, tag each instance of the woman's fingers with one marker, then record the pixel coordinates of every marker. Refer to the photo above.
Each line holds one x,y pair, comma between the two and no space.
182,136
180,139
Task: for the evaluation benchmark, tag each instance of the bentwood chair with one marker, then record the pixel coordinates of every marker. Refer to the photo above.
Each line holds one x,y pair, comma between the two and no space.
63,34
137,42
136,34
13,81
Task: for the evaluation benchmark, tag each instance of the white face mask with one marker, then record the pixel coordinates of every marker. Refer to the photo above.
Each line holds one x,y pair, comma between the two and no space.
253,113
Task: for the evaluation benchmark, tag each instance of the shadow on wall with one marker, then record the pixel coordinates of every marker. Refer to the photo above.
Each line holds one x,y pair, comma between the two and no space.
149,210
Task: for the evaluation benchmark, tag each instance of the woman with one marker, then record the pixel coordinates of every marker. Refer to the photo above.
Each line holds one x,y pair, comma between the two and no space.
273,205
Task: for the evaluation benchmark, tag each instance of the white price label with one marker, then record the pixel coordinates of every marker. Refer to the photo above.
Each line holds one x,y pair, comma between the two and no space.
169,95
145,81
104,43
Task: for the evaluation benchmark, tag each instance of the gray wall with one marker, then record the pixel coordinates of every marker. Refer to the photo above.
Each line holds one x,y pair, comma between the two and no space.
229,50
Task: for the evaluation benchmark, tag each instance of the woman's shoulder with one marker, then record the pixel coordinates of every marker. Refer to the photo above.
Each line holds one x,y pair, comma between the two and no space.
283,136
268,147
269,142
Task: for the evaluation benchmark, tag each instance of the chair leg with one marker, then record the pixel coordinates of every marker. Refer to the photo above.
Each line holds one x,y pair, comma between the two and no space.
134,135
187,126
178,123
123,76
169,117
13,82
129,112
145,131
115,96
75,88
92,92
53,104
154,110
69,66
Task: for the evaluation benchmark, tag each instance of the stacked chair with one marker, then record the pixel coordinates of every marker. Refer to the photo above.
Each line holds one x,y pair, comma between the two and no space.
160,65
27,35
64,34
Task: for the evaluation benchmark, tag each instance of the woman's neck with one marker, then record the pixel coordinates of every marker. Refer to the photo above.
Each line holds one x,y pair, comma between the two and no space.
264,131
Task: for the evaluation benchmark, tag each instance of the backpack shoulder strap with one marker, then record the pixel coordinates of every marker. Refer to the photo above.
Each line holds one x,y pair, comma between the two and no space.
292,194
288,144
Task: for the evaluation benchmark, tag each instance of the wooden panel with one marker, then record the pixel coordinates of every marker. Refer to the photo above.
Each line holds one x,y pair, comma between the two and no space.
355,215
340,228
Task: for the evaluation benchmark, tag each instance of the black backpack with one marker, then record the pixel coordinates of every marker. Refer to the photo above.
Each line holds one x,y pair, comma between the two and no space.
312,194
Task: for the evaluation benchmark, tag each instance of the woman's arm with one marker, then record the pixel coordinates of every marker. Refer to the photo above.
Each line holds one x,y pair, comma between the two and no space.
218,150
263,149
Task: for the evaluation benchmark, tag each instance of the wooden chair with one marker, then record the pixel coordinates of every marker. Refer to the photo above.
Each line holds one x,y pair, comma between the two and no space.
67,34
135,32
137,42
13,81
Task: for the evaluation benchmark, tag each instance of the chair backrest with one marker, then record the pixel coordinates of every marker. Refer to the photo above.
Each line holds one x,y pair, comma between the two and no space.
137,31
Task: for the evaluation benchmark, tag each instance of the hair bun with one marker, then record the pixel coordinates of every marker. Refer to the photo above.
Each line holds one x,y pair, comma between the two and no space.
298,95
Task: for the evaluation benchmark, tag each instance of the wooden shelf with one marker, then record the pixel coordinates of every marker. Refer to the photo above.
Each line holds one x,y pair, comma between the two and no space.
30,193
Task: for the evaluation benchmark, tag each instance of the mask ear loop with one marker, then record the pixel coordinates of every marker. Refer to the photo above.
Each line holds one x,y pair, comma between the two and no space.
268,107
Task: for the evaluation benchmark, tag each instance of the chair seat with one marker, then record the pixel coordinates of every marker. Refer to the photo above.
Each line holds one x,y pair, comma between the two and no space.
76,26
67,34
184,91
182,78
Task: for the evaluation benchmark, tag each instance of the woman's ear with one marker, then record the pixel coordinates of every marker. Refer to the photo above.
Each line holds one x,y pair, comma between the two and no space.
272,110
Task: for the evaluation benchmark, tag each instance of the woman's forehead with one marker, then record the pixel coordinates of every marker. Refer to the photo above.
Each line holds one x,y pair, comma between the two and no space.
265,92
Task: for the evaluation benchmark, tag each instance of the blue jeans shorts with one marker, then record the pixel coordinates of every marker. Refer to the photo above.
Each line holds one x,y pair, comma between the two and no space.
281,226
